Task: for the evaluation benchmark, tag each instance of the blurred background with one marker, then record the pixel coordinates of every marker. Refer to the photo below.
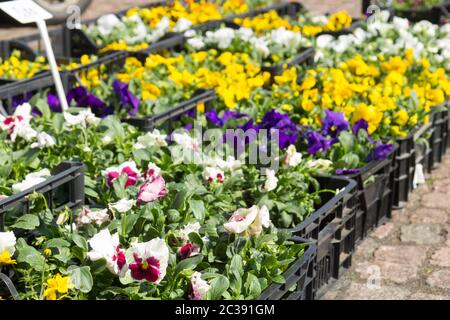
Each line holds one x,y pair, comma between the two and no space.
100,7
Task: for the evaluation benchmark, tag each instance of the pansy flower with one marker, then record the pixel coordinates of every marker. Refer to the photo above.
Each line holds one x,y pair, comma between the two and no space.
150,261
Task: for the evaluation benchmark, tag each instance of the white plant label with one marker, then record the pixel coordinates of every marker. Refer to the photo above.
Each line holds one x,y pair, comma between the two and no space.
419,176
25,11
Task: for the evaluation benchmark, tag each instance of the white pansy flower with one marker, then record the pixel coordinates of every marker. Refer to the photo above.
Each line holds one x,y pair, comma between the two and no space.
271,181
150,261
44,140
252,220
293,158
31,180
7,242
199,287
188,229
123,205
150,139
107,246
196,43
183,24
107,23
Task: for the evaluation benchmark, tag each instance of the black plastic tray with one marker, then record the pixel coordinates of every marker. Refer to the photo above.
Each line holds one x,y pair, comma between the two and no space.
435,14
301,274
67,181
332,227
375,197
74,42
409,154
439,140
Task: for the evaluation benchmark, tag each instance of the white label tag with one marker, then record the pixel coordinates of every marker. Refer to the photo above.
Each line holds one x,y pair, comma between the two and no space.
419,177
25,11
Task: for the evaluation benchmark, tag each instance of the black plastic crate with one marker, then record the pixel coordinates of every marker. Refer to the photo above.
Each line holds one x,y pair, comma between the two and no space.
283,9
439,140
375,197
65,188
11,94
74,42
436,14
332,227
300,274
412,150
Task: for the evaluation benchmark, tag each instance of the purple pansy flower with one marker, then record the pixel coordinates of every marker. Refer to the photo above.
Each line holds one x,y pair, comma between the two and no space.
287,129
53,103
380,152
317,142
19,100
126,97
218,121
334,123
343,172
360,125
87,100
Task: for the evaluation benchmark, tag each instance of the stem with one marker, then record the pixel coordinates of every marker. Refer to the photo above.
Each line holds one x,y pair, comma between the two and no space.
41,295
124,225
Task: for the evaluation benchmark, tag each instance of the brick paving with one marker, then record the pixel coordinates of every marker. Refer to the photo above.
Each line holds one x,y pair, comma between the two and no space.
409,256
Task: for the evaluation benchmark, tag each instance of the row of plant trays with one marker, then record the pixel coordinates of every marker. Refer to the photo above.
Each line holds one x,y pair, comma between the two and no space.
436,14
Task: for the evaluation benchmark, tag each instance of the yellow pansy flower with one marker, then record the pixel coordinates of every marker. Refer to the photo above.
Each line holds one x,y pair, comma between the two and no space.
6,259
56,286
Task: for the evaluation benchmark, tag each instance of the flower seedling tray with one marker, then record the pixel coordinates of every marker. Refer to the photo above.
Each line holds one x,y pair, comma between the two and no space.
332,228
436,14
357,23
412,150
439,140
24,90
114,63
300,275
291,9
375,192
65,188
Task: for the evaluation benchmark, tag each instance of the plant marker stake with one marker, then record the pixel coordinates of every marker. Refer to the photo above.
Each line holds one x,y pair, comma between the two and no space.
53,66
28,11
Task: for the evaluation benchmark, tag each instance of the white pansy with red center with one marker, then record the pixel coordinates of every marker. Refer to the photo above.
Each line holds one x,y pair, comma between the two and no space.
128,168
189,250
18,125
152,190
251,220
293,158
107,246
199,287
123,205
186,141
150,260
88,216
212,175
271,181
153,171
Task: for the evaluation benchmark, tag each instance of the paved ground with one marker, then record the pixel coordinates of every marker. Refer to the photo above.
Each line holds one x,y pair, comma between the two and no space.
409,257
99,7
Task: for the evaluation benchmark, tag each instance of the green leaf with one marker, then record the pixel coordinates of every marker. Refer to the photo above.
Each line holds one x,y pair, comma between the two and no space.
32,257
81,278
218,286
194,237
347,139
253,286
188,264
198,209
27,222
56,243
279,279
80,241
